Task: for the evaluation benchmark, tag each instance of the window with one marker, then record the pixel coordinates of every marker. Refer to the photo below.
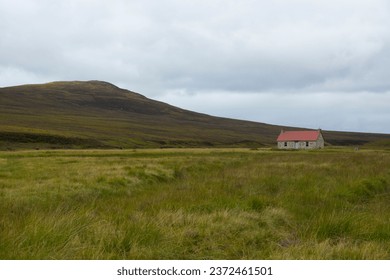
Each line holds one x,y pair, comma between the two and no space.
307,144
285,144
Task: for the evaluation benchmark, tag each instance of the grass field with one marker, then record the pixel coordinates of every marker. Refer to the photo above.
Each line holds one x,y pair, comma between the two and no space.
195,204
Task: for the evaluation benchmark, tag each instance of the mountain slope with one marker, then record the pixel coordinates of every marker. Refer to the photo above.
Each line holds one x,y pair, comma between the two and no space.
98,114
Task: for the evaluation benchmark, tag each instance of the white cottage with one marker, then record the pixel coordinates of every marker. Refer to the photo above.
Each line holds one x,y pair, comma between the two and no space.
311,139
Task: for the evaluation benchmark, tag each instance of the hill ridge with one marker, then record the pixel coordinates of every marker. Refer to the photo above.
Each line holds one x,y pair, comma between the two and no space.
94,114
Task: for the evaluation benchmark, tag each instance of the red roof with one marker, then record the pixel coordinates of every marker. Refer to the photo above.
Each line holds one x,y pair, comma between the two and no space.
299,135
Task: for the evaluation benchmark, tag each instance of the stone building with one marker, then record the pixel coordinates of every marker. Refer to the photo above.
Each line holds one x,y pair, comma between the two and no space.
308,139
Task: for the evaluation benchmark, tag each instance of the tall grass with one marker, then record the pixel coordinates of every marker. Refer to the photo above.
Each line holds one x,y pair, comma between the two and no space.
195,204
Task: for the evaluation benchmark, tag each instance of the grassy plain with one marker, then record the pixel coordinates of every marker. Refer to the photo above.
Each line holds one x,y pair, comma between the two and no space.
195,204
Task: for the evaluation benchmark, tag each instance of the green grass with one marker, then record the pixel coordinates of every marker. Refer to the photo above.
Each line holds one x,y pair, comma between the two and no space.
195,204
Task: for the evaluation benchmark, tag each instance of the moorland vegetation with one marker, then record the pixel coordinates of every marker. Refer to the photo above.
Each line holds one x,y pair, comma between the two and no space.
195,204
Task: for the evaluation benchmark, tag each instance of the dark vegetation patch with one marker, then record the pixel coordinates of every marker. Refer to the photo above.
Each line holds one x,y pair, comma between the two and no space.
23,137
347,142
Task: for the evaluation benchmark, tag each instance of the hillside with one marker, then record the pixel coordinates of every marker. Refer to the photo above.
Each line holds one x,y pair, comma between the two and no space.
97,114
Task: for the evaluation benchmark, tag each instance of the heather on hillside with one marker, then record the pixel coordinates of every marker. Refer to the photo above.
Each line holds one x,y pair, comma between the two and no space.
95,114
195,204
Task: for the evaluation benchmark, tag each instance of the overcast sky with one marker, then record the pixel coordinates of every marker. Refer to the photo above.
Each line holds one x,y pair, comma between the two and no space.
322,63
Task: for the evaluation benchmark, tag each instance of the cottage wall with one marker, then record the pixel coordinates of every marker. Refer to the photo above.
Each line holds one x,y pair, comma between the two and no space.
319,144
297,145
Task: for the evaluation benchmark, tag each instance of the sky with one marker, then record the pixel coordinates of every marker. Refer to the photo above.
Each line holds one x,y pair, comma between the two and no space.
315,64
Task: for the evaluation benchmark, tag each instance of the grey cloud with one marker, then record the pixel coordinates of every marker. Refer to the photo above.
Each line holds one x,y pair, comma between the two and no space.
253,45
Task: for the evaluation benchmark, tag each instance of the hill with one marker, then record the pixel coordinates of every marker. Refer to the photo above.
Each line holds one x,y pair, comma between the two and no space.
97,114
